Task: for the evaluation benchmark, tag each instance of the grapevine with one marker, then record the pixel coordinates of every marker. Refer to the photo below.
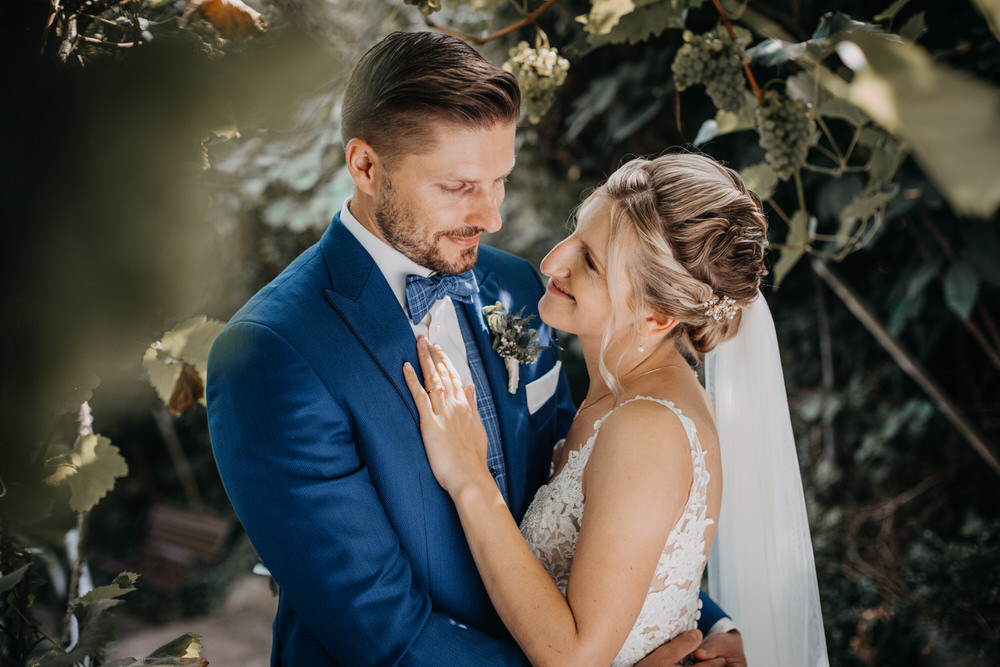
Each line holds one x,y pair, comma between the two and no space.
716,61
426,7
539,71
785,130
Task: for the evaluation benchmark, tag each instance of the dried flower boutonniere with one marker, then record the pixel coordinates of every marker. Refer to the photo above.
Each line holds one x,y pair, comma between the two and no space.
513,340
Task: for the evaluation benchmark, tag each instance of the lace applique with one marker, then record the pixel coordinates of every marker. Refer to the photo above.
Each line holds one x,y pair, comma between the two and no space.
552,526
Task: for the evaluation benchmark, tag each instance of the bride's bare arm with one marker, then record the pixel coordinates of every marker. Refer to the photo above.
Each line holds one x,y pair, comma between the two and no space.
636,486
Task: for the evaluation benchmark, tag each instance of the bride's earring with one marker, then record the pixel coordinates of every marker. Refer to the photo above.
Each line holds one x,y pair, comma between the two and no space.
641,349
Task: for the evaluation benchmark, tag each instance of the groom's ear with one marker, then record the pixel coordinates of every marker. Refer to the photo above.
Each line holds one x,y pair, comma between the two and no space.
362,162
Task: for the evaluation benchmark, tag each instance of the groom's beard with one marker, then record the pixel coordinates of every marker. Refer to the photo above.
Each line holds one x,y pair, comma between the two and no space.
399,227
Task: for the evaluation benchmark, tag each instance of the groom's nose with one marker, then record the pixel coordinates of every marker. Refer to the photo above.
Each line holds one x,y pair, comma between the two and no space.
486,211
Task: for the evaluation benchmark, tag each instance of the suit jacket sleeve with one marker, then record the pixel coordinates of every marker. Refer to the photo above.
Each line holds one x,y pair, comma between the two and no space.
284,449
711,613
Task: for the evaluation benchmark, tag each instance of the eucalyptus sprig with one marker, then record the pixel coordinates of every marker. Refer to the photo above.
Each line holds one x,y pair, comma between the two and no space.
513,340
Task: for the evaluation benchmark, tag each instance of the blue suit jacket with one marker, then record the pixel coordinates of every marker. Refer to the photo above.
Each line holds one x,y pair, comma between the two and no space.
316,439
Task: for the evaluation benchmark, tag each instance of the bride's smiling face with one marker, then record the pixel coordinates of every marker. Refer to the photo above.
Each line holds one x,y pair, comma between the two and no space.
577,298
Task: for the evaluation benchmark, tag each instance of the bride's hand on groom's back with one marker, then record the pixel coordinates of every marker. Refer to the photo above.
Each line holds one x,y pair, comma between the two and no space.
450,426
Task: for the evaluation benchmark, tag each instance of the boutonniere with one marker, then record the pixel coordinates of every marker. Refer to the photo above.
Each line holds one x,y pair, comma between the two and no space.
513,340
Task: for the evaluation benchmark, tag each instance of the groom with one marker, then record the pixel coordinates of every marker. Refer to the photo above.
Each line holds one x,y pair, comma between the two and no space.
314,432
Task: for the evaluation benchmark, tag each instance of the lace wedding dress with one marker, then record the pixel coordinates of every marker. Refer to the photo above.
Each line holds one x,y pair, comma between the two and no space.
552,525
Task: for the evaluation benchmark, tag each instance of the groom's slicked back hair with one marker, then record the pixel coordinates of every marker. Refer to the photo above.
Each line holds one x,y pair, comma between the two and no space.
410,80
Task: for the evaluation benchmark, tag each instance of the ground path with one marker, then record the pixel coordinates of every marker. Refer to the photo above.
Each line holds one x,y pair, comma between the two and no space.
237,634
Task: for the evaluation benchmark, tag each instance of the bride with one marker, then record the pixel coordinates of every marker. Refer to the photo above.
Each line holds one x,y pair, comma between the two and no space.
663,267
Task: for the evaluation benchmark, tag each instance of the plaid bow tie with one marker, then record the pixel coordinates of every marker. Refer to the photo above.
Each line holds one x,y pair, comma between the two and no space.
422,293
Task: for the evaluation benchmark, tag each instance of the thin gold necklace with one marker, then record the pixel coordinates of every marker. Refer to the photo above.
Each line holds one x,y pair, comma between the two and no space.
608,393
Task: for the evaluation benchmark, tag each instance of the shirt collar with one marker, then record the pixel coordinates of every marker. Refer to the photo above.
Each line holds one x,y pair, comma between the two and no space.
394,265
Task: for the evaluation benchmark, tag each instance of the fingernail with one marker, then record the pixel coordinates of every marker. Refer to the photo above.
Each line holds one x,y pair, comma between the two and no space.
407,366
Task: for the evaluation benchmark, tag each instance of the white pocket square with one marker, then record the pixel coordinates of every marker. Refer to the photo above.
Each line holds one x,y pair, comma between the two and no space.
539,391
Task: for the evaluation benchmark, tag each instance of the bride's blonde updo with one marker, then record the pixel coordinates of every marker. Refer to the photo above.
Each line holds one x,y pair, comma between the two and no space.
685,228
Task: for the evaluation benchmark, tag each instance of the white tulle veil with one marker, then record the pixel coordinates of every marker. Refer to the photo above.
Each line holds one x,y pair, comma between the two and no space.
761,570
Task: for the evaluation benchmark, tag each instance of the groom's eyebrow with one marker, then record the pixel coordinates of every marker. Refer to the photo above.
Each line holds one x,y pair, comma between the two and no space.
455,176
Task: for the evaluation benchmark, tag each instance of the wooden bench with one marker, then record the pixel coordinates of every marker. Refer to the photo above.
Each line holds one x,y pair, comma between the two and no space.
176,543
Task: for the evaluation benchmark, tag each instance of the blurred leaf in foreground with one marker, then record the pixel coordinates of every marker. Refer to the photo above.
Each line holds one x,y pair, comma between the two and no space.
185,650
950,119
90,470
177,364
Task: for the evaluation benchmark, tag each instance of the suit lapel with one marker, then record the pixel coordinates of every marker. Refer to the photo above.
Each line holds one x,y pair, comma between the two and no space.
363,299
511,410
360,294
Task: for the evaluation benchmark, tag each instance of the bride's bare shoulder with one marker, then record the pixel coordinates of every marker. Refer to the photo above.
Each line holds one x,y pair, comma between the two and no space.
643,430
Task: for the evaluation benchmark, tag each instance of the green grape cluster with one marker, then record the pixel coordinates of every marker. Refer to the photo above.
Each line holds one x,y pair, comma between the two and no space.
426,7
785,130
539,72
716,61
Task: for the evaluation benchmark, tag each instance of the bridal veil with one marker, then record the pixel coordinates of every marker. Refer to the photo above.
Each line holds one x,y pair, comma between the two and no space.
761,570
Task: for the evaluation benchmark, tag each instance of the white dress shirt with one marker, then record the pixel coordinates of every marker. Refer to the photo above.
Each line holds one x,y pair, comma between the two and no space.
440,324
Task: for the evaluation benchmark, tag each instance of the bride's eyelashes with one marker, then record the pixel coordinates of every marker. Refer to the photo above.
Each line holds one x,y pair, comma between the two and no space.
591,262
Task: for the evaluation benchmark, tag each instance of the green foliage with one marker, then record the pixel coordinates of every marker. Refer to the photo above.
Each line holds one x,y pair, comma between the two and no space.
990,9
794,246
961,286
122,584
645,20
958,145
11,579
89,469
426,7
185,650
904,514
760,178
187,343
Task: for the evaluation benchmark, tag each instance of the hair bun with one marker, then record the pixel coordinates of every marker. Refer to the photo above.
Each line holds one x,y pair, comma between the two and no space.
693,233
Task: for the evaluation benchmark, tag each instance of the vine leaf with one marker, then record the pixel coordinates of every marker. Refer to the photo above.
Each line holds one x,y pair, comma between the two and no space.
914,28
184,651
122,584
957,144
859,211
889,13
990,9
97,630
13,578
961,286
605,14
177,364
760,178
803,86
907,294
726,122
774,52
90,470
608,23
794,246
887,154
